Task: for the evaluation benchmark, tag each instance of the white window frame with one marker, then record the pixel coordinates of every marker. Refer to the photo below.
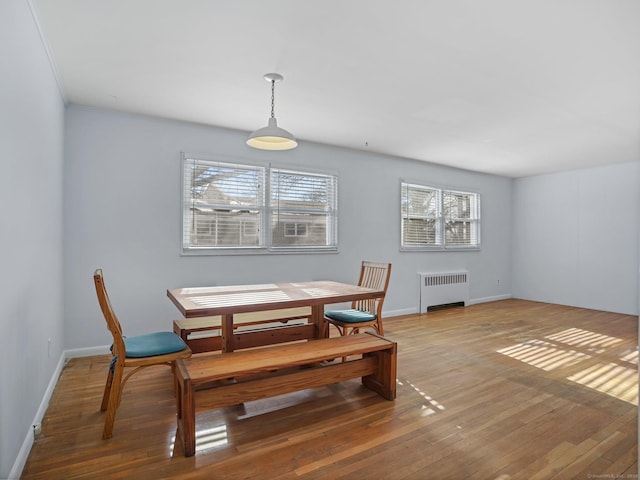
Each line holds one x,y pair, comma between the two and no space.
228,197
436,212
262,206
304,208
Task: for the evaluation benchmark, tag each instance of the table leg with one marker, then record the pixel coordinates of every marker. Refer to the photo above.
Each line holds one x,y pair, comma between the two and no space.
227,333
321,325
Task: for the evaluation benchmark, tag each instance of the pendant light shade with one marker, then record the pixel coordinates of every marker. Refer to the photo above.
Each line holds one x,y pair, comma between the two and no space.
272,137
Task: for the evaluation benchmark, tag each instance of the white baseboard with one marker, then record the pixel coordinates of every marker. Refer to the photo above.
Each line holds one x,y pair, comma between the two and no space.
495,298
402,311
87,352
23,454
473,301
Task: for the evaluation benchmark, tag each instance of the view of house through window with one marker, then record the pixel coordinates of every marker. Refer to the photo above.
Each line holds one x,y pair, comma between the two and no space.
303,209
437,218
233,206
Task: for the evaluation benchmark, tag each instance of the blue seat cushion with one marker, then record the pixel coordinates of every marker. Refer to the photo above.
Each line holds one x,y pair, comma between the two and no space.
350,316
158,343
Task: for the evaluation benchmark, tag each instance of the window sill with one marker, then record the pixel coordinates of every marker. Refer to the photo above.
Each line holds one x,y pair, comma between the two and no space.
199,252
475,248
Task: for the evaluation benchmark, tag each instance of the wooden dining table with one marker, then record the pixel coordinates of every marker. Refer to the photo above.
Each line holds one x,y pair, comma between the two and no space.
230,300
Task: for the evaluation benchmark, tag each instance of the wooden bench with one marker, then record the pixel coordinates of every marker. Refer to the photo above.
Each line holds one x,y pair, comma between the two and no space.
204,381
253,329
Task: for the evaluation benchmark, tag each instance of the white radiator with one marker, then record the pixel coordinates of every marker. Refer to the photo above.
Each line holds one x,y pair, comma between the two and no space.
443,288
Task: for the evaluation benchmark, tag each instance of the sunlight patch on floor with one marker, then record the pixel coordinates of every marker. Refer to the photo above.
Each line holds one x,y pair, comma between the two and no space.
610,378
557,350
211,437
206,438
630,356
544,355
577,337
431,406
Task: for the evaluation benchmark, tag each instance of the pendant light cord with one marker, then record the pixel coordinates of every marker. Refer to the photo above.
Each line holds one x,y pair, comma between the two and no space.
273,96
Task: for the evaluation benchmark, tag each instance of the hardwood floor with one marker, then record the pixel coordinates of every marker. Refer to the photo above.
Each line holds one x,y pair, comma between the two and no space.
504,390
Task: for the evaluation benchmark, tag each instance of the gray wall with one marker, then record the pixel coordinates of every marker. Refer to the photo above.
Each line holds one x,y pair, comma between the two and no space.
575,238
31,158
122,213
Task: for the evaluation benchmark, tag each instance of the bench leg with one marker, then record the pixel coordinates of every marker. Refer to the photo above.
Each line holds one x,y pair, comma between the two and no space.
383,381
185,410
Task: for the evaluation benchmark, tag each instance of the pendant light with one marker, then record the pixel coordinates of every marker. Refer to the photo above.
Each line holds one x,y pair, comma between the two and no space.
272,137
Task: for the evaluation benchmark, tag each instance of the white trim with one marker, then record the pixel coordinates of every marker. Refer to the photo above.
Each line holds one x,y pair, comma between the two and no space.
87,352
45,44
495,298
397,313
473,301
23,454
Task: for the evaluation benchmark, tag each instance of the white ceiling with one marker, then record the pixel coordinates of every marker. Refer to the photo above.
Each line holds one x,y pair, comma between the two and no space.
510,87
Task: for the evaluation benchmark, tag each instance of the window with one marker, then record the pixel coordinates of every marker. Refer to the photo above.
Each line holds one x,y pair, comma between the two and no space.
223,205
303,209
295,229
433,218
225,208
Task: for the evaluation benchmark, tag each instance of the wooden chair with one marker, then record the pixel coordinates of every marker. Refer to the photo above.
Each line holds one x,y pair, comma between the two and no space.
364,313
159,348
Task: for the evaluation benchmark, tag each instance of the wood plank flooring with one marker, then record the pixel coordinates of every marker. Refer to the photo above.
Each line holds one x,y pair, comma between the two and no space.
503,390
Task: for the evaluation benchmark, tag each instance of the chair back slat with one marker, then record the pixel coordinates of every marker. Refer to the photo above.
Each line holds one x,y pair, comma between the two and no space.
113,324
375,276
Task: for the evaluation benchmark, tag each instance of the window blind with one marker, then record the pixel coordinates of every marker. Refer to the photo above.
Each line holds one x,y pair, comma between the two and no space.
303,209
461,216
436,218
420,215
229,206
223,205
